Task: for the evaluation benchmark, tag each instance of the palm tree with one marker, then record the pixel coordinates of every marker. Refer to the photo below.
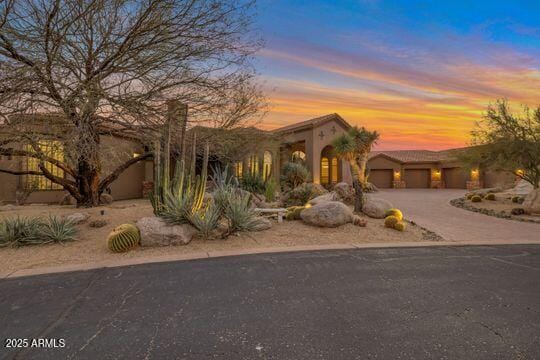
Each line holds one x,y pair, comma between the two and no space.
354,147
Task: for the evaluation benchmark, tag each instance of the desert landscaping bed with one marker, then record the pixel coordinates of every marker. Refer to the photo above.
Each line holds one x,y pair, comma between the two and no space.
90,246
501,207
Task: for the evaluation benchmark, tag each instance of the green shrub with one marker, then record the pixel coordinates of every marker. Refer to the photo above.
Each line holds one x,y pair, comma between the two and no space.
239,214
300,195
293,174
517,199
476,198
400,226
293,212
270,190
21,231
517,211
390,221
490,196
123,238
395,212
253,183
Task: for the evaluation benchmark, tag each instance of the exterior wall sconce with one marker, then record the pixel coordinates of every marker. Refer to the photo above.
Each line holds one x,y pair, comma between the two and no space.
474,174
520,172
321,135
436,174
397,175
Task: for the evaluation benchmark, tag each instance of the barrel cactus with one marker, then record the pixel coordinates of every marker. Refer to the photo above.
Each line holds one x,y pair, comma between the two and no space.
390,221
490,196
469,196
517,199
395,212
400,226
123,238
476,198
293,212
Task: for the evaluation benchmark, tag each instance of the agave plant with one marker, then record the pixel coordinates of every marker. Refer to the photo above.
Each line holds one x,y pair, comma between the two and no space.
22,231
206,219
239,214
58,230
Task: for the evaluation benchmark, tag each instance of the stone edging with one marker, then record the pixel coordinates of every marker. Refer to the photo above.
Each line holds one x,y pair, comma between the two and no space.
460,203
253,251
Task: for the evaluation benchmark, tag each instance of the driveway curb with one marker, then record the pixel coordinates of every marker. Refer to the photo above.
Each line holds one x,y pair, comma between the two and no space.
252,251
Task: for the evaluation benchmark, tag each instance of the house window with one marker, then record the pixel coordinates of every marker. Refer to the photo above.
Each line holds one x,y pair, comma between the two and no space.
52,149
267,164
324,171
334,170
238,169
253,164
298,156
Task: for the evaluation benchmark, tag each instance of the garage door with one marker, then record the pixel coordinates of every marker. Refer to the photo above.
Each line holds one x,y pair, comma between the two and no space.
416,178
455,178
381,178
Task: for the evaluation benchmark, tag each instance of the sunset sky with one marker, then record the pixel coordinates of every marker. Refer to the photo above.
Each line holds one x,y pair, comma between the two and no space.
419,72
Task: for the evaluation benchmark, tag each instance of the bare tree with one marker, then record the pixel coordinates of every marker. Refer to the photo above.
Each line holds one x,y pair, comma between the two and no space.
109,67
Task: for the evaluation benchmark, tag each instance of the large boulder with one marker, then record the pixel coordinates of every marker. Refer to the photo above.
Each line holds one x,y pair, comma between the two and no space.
68,199
522,188
376,207
106,199
531,204
156,232
262,224
331,196
327,214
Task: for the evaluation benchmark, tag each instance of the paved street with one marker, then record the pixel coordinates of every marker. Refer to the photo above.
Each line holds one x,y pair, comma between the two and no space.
415,303
430,208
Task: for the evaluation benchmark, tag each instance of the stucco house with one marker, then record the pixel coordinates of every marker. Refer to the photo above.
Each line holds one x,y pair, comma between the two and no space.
308,140
311,141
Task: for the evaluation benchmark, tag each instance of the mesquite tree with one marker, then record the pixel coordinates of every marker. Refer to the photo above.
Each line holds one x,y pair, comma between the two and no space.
506,141
110,67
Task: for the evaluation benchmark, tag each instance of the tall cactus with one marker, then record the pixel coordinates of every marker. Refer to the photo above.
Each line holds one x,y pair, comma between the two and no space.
177,199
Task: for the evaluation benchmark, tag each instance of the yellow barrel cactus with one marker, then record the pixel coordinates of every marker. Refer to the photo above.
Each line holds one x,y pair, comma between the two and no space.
123,238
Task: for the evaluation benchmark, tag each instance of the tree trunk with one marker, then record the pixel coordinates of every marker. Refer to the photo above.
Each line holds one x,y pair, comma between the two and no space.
88,185
358,190
362,164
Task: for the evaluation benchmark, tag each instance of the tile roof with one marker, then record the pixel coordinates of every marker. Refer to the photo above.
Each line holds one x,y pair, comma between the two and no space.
417,156
311,123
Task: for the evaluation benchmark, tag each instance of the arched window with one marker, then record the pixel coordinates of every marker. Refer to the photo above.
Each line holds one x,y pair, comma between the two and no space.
267,164
325,179
330,167
334,168
298,156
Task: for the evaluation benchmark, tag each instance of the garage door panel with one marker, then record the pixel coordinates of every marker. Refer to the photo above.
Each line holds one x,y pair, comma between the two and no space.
381,178
417,178
455,178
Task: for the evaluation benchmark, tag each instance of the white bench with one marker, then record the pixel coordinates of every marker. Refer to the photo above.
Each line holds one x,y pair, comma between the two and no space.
280,212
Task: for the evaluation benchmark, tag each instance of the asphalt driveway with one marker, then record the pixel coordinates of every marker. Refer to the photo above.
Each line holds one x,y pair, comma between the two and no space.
415,303
430,208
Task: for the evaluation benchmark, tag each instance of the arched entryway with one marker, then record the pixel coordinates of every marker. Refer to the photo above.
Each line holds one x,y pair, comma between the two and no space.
330,166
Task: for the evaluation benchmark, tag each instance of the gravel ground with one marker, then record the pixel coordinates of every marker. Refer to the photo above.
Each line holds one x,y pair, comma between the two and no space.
91,247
